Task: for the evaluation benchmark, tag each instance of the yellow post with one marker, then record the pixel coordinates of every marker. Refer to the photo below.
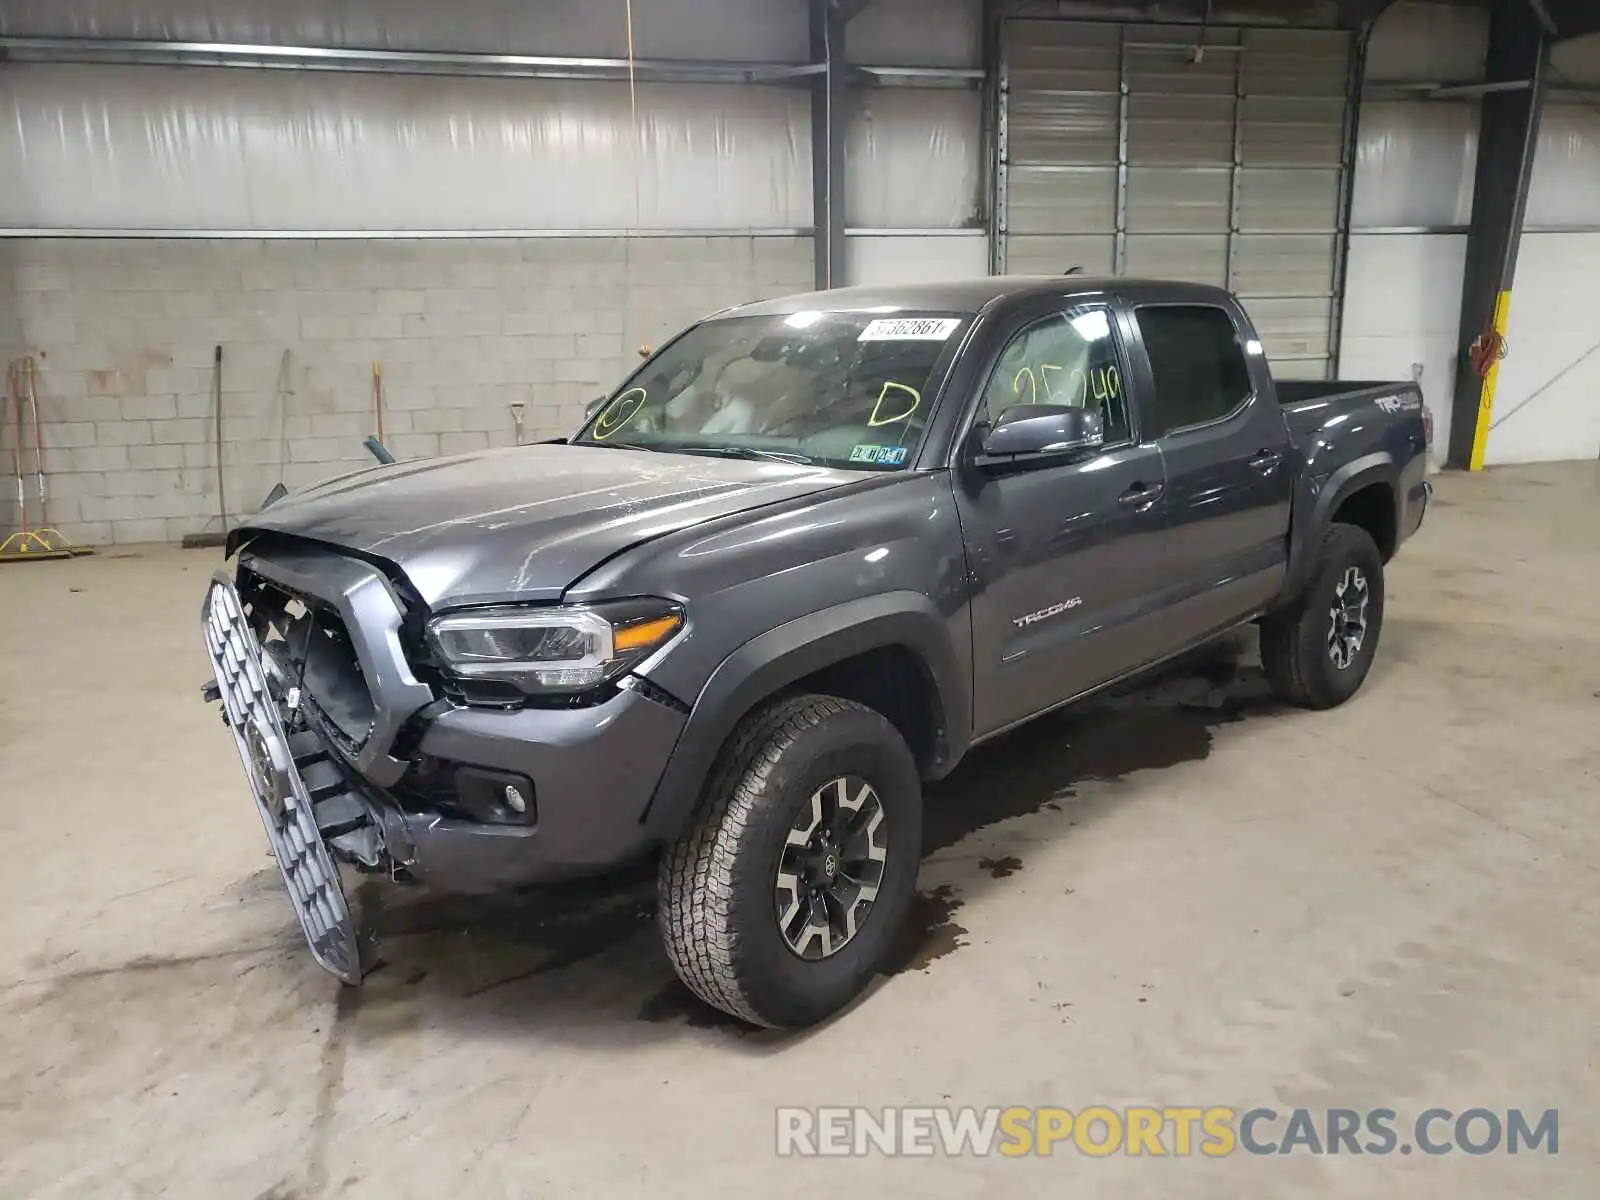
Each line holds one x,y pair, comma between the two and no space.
1480,432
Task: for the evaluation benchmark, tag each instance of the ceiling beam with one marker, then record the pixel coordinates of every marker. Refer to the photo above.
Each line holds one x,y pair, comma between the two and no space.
150,52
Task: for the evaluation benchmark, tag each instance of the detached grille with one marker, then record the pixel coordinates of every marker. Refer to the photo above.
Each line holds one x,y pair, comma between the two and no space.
274,774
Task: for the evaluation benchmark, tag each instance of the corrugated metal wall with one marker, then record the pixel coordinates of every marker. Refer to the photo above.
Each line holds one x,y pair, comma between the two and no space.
202,148
1210,155
697,29
194,149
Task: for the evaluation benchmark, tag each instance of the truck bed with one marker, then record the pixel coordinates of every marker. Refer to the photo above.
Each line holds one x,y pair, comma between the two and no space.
1296,393
1312,406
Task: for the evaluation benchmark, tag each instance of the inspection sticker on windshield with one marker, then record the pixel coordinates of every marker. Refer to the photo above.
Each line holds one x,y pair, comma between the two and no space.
909,329
883,456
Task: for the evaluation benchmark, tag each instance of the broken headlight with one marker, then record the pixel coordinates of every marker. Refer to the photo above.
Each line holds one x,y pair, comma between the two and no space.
553,649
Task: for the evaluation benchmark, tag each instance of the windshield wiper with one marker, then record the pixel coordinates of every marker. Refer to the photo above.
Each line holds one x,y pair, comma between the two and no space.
610,445
792,457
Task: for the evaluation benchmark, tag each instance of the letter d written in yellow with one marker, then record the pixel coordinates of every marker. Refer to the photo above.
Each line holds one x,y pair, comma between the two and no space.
1220,1137
1016,1130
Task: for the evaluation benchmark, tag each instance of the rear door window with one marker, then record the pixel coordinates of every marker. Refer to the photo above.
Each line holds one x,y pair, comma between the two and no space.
1201,373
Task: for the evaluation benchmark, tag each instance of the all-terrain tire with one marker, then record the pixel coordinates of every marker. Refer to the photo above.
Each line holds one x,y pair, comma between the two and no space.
1295,640
718,912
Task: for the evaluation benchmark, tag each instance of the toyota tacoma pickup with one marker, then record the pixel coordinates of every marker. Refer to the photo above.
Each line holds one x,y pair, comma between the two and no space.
803,560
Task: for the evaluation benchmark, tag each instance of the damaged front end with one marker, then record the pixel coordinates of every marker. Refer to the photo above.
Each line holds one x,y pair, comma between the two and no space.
307,806
315,715
362,750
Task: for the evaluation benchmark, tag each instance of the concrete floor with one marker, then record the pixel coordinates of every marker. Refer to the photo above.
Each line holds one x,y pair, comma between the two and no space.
1188,896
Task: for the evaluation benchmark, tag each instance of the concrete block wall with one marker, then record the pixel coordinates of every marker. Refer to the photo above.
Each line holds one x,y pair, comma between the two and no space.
10,348
123,335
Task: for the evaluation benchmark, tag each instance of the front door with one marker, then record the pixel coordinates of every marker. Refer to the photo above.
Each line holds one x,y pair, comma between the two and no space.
1229,467
1066,555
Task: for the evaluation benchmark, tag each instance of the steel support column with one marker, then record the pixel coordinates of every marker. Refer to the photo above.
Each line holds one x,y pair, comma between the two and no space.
1347,189
829,98
1119,245
1236,169
991,198
1000,192
1508,134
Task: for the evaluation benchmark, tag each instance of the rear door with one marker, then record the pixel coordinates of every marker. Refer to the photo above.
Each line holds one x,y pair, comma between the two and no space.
1066,555
1225,446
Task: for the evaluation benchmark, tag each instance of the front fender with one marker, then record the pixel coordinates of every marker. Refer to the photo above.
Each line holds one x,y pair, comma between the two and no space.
767,664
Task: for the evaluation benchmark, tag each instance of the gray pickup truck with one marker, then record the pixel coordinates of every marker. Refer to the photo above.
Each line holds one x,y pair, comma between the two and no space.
805,558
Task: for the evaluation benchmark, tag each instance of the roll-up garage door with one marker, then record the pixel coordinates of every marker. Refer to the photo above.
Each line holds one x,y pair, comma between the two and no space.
1170,152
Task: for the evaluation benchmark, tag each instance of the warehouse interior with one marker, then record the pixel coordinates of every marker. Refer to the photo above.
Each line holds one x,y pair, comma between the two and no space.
239,238
363,203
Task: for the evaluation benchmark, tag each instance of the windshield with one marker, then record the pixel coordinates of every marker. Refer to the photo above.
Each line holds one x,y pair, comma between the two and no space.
842,389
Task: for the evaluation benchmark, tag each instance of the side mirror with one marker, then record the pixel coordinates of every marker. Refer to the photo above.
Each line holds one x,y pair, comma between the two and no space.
592,407
1044,429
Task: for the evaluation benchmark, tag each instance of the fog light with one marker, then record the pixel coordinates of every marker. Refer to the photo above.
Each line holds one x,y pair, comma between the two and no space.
495,797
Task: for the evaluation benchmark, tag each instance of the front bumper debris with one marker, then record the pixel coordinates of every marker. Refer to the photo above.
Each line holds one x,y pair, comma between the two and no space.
389,804
285,773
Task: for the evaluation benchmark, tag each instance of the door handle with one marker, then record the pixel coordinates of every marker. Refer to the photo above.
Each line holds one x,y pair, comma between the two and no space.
1141,495
1266,460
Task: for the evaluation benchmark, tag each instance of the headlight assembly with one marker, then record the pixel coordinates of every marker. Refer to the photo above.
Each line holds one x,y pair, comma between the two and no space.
553,650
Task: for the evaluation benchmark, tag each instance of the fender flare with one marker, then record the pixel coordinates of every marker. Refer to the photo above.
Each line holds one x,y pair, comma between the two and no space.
772,661
1377,467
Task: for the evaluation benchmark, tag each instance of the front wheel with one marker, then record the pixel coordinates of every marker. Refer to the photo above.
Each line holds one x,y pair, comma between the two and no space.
1318,650
785,895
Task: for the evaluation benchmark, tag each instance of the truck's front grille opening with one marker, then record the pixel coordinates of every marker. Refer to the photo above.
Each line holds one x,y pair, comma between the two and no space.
308,643
333,677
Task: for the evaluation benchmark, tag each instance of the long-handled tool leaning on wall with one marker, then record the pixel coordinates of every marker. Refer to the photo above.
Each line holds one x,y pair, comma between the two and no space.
195,541
57,540
44,542
377,398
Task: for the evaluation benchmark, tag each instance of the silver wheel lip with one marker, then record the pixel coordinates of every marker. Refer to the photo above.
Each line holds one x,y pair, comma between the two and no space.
847,899
1347,617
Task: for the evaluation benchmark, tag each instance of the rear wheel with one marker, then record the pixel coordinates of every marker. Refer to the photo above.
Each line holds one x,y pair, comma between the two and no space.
782,900
1318,650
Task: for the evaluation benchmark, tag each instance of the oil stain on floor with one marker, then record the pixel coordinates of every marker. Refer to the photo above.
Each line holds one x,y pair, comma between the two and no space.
1000,868
1159,722
930,931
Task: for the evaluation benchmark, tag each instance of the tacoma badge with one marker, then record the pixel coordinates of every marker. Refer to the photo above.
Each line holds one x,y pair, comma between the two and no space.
1044,614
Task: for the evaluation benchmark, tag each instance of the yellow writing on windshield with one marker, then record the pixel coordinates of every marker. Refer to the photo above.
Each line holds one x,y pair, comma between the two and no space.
908,401
1104,383
1033,385
616,415
1044,375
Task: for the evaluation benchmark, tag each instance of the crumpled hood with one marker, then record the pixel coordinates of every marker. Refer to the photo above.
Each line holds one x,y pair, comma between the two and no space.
527,522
